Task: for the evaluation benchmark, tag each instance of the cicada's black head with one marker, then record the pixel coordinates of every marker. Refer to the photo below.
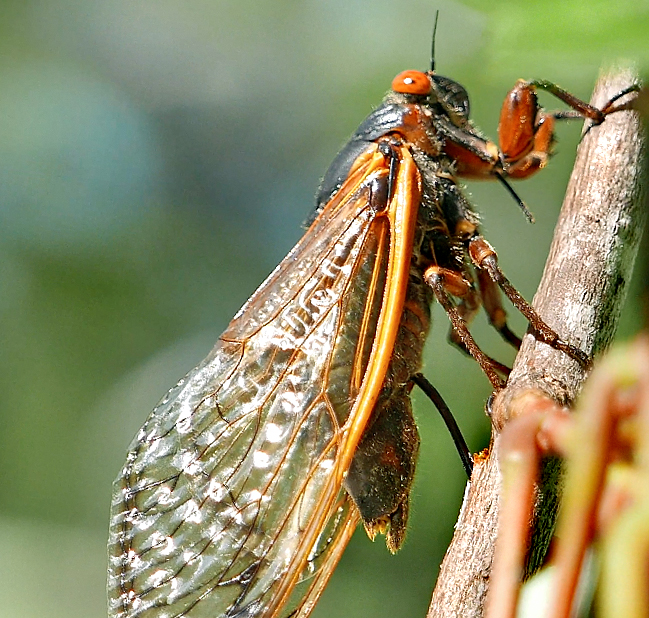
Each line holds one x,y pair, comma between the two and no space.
436,90
452,96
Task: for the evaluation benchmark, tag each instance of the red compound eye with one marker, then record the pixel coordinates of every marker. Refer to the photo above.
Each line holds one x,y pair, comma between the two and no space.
411,82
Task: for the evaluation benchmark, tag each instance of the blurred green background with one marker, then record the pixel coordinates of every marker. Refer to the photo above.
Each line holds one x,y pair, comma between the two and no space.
157,160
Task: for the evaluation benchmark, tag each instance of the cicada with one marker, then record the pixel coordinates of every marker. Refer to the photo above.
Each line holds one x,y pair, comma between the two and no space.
243,487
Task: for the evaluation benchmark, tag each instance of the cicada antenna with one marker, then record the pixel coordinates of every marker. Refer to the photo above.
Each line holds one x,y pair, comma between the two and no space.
432,45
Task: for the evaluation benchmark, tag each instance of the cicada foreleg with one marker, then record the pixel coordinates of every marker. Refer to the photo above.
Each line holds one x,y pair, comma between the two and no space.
446,283
484,258
526,131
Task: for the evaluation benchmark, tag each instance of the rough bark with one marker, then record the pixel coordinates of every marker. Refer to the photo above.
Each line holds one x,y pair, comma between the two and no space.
581,295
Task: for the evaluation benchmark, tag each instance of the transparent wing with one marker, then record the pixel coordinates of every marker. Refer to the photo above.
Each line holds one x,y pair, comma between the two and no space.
229,486
324,558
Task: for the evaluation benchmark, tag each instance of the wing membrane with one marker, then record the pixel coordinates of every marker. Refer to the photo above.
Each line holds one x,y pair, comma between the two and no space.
229,484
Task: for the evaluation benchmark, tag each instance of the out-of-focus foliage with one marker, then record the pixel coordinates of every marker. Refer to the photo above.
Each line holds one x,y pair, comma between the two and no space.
156,161
599,552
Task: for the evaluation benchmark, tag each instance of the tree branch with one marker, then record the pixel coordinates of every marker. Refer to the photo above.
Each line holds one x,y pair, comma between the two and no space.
581,295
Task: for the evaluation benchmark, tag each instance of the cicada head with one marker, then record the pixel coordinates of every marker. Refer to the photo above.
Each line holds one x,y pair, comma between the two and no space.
453,98
450,97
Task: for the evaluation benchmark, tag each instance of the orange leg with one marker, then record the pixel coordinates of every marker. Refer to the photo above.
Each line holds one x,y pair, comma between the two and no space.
526,131
484,257
492,301
446,283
